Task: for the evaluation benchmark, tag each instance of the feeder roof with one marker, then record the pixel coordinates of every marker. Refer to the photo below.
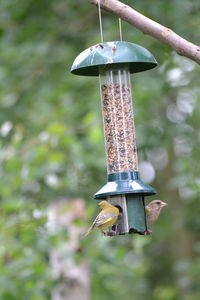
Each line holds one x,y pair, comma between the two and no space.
113,53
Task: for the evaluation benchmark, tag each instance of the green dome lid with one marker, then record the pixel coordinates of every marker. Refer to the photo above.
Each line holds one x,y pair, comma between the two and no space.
113,53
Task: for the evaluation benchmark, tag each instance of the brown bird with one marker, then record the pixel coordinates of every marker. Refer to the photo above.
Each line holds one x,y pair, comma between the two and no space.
105,219
153,210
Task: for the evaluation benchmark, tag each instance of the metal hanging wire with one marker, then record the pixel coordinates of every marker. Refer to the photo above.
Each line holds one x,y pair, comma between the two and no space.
100,24
120,29
100,21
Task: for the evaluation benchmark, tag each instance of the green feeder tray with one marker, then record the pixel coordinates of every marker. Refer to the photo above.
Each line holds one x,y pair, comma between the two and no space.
127,191
124,183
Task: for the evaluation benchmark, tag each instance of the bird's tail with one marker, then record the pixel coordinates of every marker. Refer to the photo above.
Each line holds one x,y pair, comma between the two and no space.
87,232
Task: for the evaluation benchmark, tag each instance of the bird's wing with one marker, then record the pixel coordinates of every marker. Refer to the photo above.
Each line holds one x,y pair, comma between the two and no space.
103,218
148,210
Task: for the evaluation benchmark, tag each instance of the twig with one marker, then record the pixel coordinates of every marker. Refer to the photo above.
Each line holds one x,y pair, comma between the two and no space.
150,27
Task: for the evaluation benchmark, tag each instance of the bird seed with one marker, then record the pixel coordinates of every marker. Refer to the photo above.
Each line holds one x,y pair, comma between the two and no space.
119,128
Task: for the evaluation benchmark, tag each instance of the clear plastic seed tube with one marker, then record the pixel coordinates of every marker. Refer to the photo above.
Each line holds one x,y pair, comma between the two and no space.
119,129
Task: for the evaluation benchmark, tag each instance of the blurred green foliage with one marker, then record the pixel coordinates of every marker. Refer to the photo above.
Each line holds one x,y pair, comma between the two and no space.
52,145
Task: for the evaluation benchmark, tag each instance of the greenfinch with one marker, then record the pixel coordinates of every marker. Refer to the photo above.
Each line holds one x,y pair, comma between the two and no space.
105,219
153,210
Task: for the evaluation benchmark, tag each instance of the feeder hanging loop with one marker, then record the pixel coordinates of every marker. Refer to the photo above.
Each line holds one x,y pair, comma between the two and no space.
120,29
100,21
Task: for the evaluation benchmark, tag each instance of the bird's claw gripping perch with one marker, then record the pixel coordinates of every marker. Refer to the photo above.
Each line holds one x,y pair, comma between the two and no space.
148,232
103,232
111,233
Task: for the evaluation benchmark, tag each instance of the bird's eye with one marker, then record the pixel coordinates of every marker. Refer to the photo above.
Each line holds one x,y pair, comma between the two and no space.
158,202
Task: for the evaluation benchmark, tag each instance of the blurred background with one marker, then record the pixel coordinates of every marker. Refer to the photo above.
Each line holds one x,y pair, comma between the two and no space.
52,157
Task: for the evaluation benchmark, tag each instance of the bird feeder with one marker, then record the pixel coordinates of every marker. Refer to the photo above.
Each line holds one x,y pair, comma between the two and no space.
113,62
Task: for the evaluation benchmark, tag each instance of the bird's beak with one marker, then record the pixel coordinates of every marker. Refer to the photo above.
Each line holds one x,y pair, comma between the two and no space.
163,204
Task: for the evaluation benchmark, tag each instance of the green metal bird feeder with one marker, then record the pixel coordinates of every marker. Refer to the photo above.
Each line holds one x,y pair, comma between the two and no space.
113,62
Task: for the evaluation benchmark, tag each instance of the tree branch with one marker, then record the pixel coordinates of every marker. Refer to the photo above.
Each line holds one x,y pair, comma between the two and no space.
152,28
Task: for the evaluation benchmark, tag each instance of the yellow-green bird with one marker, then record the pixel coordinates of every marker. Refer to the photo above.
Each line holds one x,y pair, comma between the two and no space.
153,210
105,219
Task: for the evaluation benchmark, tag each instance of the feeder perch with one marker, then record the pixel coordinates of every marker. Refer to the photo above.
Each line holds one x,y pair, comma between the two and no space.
113,62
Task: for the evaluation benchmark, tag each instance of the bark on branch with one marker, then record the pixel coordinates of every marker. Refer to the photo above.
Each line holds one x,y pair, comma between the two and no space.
152,28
